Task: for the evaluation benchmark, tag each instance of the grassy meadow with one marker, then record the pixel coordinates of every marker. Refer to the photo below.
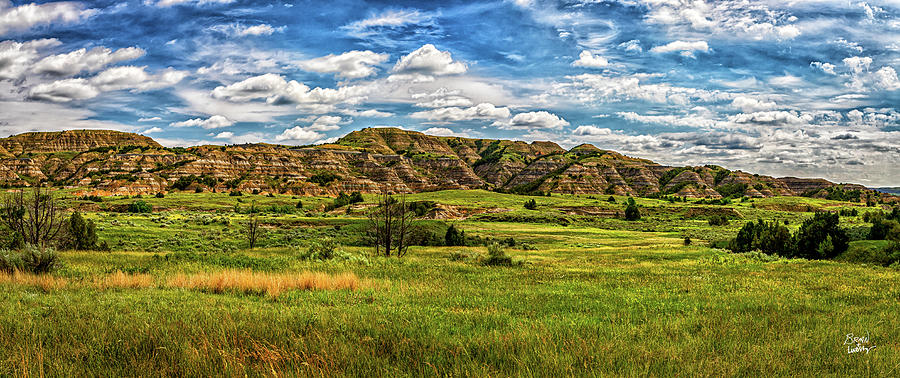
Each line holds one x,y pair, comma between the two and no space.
588,294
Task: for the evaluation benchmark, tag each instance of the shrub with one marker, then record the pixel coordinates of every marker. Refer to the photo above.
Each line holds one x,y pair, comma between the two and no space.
140,207
10,261
885,229
235,193
321,250
611,199
421,208
323,178
281,209
771,238
81,233
531,204
299,205
718,220
732,190
848,212
92,198
632,213
198,189
160,195
884,256
821,237
454,237
497,256
343,200
687,240
32,259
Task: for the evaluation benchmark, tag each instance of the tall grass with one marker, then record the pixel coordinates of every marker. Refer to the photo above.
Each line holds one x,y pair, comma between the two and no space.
249,282
120,280
45,282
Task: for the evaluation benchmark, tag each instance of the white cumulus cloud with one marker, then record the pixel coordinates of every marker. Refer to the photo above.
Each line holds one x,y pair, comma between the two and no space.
352,64
587,59
533,120
688,46
83,60
26,16
428,60
214,122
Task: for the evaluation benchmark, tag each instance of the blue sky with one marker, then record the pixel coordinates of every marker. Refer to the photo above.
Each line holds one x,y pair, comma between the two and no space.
784,88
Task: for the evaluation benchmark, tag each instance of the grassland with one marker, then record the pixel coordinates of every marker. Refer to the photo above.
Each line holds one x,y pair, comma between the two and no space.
598,296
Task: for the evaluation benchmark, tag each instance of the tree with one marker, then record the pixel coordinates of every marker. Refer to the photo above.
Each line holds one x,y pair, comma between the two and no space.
454,237
632,213
770,238
821,237
390,224
252,228
35,217
140,206
81,233
531,204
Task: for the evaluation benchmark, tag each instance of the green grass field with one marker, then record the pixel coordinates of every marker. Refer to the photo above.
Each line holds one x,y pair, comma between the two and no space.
596,296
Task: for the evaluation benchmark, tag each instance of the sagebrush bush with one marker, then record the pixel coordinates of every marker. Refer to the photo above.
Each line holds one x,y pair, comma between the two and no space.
31,259
497,256
322,250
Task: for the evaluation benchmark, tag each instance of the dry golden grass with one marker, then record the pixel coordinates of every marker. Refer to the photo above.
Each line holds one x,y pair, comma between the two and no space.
248,282
120,280
44,281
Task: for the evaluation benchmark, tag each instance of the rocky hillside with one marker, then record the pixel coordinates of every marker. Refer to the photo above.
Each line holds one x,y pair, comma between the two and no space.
369,160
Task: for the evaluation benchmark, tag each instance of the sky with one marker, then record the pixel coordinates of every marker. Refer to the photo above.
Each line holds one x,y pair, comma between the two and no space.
782,88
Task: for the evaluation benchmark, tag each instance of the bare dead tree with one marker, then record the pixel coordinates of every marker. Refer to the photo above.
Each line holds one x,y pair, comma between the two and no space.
390,224
252,229
35,216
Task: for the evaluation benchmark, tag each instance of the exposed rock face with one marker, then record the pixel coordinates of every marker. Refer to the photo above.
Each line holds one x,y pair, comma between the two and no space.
72,140
369,160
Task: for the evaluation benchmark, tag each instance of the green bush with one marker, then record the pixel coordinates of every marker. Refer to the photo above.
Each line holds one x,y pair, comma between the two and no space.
732,190
454,237
821,237
885,229
320,250
140,207
718,220
632,213
497,256
771,238
323,178
884,256
31,259
81,234
531,204
160,195
343,200
11,261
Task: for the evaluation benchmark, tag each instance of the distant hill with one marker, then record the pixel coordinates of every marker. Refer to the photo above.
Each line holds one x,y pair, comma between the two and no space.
372,160
894,191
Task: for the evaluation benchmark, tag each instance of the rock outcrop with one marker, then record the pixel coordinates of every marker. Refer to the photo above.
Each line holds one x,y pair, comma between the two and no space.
368,160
